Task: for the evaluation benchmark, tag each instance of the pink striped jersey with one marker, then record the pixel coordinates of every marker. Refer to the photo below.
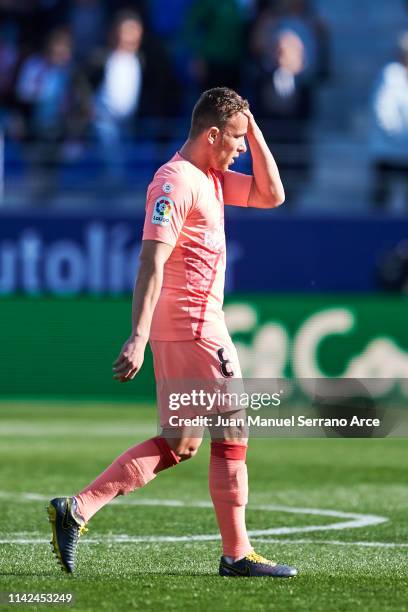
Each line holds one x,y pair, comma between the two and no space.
185,209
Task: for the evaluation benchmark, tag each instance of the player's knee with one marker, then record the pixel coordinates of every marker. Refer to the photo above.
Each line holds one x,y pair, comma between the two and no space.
235,429
186,450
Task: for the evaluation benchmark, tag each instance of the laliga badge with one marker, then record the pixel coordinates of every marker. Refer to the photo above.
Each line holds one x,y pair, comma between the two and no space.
162,211
167,187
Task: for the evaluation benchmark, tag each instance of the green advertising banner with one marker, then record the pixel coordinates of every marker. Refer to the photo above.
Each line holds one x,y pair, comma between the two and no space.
309,336
66,347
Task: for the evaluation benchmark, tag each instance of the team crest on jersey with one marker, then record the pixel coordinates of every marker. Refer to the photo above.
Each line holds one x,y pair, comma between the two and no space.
162,211
167,187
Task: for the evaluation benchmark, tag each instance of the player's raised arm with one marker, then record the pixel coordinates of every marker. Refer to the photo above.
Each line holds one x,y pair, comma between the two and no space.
147,289
267,190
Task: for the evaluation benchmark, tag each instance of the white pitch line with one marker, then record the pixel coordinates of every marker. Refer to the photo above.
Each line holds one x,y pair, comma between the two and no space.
64,428
354,520
336,543
125,539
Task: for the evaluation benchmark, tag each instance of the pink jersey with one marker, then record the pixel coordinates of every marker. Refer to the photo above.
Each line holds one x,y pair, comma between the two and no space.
185,209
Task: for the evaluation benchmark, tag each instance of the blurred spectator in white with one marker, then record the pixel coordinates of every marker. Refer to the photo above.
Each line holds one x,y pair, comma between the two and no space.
389,137
134,79
120,91
118,96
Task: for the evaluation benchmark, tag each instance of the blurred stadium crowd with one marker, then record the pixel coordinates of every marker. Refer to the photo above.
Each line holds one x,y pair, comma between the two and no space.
95,94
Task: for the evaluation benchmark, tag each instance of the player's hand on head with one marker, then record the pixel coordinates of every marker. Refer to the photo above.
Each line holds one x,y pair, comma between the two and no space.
251,119
130,359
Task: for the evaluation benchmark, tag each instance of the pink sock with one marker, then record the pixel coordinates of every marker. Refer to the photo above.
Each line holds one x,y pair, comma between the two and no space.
228,480
132,470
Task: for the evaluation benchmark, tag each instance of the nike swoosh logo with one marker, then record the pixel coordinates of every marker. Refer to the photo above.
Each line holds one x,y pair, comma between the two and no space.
236,571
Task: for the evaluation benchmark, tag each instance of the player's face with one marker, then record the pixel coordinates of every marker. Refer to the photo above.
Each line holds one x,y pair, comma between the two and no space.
230,142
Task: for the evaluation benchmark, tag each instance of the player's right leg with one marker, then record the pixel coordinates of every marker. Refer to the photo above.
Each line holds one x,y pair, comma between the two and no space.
132,470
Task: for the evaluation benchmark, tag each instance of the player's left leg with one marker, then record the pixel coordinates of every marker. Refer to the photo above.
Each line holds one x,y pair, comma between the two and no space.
132,470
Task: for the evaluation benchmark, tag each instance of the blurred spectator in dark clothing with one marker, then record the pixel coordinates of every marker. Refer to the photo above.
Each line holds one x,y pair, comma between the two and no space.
290,56
9,57
21,15
161,93
8,50
297,16
168,26
282,101
214,34
281,91
43,87
389,137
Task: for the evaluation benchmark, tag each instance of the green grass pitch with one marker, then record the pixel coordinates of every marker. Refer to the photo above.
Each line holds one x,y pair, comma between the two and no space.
136,554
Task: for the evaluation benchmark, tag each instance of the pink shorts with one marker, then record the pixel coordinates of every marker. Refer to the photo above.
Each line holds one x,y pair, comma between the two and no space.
205,363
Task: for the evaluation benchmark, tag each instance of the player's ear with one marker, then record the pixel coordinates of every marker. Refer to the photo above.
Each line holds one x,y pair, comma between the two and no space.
213,134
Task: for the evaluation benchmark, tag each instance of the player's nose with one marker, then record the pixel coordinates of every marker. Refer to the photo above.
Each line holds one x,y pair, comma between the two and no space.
242,147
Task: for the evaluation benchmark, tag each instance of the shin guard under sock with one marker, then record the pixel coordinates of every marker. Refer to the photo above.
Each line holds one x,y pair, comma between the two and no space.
228,481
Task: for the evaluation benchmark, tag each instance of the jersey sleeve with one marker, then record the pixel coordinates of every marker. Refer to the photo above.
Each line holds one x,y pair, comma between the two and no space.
169,200
236,188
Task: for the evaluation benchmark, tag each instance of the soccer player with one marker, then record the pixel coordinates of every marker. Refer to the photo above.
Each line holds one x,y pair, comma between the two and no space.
177,307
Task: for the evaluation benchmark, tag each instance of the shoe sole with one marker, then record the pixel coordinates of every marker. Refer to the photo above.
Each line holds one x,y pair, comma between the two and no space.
231,575
52,517
227,573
